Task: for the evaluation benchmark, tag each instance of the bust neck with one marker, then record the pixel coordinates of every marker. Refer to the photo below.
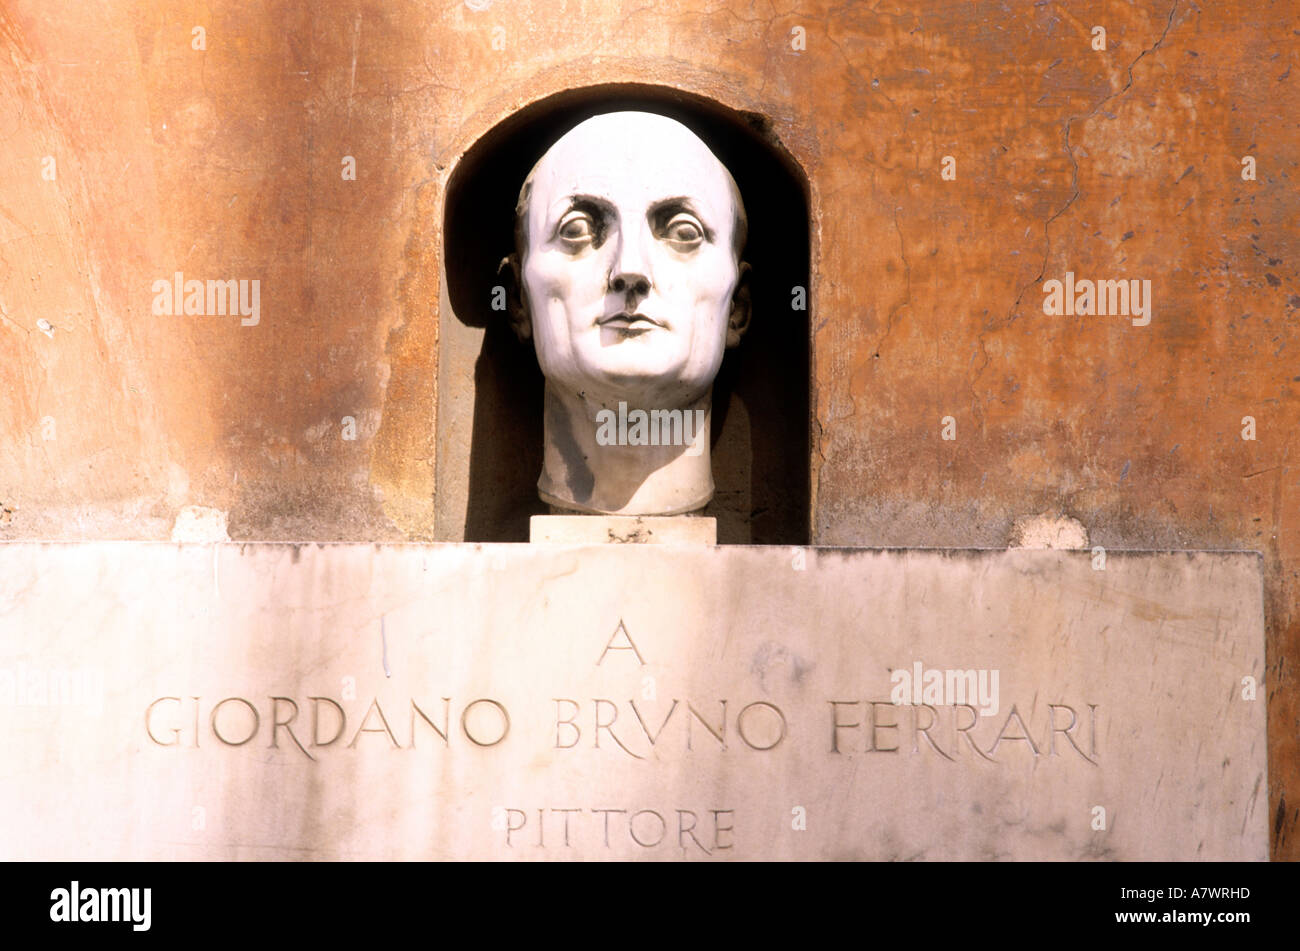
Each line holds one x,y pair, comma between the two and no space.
603,459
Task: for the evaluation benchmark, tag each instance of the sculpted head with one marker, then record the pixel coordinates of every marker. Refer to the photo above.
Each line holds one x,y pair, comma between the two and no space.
627,260
627,277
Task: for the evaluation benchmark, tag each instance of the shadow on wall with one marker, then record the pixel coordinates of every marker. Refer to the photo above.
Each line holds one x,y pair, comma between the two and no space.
760,438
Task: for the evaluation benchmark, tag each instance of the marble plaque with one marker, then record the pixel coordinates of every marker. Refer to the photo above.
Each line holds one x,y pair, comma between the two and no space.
517,702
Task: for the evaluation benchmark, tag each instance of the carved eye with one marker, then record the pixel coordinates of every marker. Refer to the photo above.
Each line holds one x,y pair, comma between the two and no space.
577,227
684,230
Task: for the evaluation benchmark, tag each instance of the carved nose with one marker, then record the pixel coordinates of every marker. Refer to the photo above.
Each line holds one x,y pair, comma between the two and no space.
630,273
635,283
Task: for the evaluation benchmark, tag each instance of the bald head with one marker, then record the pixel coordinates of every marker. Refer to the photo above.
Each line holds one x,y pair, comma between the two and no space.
628,267
631,144
628,280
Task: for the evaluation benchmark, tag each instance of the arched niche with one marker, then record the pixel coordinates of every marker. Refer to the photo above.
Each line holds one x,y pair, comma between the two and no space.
489,416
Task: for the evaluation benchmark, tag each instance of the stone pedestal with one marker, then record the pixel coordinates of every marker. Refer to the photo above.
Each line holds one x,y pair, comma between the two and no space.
622,529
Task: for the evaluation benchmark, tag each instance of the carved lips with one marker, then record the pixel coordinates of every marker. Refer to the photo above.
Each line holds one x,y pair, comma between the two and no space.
629,322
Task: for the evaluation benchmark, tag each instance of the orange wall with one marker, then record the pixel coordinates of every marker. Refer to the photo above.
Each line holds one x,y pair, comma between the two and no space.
927,299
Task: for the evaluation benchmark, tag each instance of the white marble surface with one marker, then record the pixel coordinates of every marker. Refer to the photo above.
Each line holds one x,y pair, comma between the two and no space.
1148,656
622,530
630,285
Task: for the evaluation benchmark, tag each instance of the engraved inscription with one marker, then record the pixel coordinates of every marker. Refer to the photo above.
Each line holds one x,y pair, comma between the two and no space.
874,726
705,831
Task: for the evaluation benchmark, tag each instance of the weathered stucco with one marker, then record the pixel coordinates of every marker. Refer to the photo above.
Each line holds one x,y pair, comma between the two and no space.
926,298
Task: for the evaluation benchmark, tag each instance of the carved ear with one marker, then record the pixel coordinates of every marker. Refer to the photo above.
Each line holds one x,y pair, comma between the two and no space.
516,301
741,308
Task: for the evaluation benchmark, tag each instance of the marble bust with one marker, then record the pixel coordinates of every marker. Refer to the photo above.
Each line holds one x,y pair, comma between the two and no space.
627,277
